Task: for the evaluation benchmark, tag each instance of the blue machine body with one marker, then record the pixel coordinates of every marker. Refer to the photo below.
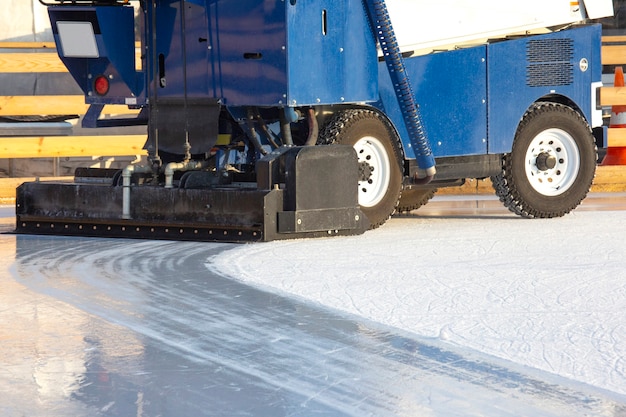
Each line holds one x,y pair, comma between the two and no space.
305,53
563,66
265,53
451,89
472,99
288,54
236,93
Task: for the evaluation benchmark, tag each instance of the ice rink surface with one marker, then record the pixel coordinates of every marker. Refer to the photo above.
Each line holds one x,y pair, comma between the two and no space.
460,309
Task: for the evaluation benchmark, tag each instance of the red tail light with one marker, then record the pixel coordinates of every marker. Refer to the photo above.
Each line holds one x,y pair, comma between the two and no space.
101,85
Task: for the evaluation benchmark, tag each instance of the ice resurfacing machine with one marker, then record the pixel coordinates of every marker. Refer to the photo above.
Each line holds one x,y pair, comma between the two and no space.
275,119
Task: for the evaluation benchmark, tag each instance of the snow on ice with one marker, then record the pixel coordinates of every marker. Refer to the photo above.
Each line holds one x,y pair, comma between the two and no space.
545,293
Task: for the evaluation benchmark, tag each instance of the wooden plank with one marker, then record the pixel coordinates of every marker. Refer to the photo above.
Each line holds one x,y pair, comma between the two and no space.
610,179
8,186
611,96
42,105
47,105
21,62
613,54
614,39
68,146
28,45
617,137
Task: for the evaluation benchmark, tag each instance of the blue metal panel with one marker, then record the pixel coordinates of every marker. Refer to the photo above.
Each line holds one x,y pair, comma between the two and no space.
248,39
451,89
331,53
275,53
524,70
190,76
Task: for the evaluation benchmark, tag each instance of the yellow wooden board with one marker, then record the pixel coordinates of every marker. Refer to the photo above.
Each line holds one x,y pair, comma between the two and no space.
68,146
613,54
47,105
31,62
8,186
28,45
617,137
611,96
614,39
20,62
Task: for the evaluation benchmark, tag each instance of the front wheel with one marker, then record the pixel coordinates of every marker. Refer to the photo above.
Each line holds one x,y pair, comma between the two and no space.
552,164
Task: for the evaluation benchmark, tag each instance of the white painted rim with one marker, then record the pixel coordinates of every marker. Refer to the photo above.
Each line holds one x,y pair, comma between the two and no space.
554,181
371,151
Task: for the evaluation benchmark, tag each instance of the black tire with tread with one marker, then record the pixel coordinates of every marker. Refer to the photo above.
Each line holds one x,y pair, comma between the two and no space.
347,127
512,185
412,199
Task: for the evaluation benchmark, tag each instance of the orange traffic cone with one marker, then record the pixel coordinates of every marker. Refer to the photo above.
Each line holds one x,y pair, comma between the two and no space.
617,155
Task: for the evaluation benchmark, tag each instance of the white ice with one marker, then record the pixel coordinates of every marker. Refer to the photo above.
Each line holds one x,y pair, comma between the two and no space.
549,294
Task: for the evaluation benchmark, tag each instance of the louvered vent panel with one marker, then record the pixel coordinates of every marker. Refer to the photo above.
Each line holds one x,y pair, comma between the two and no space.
549,62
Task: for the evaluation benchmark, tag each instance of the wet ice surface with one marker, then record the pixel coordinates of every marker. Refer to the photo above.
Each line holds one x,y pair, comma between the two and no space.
382,324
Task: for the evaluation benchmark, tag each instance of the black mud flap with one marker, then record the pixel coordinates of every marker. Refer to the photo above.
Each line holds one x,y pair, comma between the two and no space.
301,192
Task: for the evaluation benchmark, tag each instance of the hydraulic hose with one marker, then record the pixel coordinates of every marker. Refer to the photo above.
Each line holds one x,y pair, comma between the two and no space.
381,24
313,128
253,135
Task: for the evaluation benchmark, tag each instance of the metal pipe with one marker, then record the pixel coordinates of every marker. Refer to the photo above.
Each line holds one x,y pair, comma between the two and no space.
287,116
291,114
127,174
173,167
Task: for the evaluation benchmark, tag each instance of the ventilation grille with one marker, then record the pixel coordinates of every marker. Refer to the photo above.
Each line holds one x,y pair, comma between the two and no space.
549,62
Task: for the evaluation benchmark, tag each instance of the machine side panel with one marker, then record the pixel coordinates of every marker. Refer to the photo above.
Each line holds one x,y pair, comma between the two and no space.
450,89
558,66
175,76
249,42
332,53
276,53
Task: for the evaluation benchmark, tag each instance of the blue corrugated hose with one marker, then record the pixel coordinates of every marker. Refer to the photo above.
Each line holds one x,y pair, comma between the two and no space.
379,18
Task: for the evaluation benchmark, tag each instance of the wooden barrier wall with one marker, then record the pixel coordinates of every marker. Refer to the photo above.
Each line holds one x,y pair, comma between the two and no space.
43,59
22,59
614,53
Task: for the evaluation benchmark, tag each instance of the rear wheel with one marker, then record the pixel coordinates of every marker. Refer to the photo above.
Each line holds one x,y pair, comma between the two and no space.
412,199
380,159
552,164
